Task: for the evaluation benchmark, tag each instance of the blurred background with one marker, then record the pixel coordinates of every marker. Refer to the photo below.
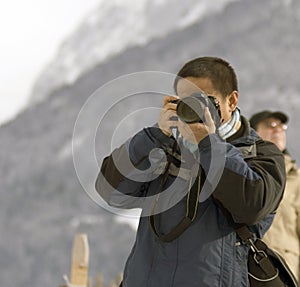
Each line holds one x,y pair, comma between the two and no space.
55,54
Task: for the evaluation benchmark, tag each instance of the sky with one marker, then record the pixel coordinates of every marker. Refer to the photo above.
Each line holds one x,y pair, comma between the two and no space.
30,34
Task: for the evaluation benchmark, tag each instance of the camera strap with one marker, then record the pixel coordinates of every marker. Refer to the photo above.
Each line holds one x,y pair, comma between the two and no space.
192,200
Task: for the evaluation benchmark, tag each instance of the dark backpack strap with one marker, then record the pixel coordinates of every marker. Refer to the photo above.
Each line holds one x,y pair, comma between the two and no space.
191,212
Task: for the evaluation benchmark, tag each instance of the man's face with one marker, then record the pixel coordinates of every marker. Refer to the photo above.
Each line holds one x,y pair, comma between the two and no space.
190,85
273,130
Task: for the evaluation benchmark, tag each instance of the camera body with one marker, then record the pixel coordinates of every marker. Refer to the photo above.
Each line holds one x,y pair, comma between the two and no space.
191,108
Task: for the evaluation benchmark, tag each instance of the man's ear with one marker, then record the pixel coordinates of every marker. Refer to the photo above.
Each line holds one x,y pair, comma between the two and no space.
233,100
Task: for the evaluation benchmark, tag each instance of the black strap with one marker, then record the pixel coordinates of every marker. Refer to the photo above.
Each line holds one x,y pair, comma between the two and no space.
191,212
174,233
240,228
258,248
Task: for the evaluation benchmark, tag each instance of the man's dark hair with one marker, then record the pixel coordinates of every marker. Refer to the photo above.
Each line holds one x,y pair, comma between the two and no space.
216,69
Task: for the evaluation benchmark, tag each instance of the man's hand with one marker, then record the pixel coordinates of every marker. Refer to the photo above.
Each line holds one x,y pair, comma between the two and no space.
196,132
168,110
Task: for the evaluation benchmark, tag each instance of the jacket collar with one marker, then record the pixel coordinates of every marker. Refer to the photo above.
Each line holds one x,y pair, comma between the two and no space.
245,135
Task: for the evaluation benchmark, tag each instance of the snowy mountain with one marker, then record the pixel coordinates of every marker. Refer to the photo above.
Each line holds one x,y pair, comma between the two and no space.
114,27
42,202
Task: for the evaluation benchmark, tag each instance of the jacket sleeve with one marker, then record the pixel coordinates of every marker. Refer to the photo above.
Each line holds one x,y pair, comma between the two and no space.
249,189
125,173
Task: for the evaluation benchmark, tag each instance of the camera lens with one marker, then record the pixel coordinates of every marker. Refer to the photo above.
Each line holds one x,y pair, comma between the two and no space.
191,109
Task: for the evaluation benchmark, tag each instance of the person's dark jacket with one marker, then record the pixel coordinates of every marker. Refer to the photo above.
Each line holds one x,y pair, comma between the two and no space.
251,179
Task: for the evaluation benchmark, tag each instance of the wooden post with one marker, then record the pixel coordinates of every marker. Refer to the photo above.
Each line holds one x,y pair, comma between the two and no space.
90,282
99,280
80,261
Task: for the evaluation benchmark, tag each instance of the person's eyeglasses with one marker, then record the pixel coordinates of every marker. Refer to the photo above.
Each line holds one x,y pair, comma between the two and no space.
274,125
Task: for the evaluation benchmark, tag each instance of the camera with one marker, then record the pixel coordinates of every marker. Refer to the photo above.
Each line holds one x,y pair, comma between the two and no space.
191,108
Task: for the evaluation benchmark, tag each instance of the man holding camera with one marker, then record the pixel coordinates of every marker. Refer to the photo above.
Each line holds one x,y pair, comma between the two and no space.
200,168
